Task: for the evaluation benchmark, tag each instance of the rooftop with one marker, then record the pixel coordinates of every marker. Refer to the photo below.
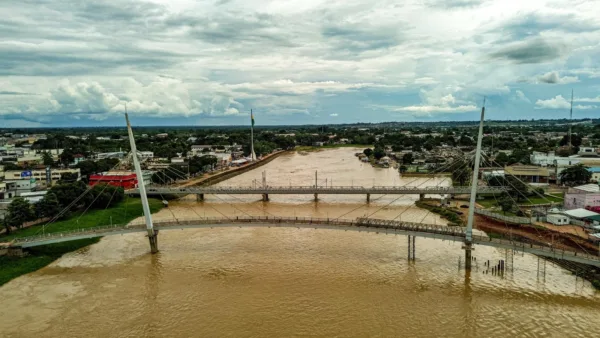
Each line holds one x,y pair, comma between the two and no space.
526,170
580,213
588,188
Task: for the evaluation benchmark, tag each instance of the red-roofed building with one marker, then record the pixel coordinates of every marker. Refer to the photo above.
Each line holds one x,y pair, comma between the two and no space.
123,179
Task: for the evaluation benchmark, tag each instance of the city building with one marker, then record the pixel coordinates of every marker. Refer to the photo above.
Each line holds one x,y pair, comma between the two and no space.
528,173
29,160
17,187
595,174
145,154
40,176
583,196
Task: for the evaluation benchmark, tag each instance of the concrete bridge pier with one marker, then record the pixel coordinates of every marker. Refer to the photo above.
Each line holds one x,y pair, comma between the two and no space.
316,197
153,242
265,197
468,247
368,198
411,248
199,197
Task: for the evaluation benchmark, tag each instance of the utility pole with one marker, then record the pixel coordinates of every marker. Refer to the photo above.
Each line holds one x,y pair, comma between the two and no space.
571,123
252,153
152,234
469,233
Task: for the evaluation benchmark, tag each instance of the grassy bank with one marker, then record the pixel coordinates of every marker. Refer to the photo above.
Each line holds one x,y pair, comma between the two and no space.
446,213
39,257
331,146
490,202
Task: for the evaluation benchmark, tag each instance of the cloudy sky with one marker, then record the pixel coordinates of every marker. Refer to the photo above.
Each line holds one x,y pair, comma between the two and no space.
183,62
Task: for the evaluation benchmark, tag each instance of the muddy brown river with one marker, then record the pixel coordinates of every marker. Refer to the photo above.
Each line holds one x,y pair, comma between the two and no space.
256,282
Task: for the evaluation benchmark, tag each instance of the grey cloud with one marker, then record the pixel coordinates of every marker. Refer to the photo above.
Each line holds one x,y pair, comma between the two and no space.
361,39
35,63
232,28
535,23
532,51
455,4
555,78
15,93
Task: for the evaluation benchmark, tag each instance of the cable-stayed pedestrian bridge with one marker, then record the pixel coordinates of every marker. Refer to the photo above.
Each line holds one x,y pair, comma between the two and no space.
360,224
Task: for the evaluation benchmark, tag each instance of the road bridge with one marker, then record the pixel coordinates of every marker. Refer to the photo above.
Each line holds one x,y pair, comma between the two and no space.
265,191
381,226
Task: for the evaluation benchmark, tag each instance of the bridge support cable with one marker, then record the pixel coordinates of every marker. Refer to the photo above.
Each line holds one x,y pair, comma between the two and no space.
520,193
163,198
546,232
438,170
70,205
497,202
260,209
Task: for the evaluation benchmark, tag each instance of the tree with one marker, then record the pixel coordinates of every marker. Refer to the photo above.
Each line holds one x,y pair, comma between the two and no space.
68,177
378,153
403,169
517,188
575,140
502,159
47,206
506,204
407,158
19,211
461,172
368,152
47,158
577,174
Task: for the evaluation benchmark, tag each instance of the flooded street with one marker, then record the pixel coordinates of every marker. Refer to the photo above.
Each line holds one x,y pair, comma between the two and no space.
246,282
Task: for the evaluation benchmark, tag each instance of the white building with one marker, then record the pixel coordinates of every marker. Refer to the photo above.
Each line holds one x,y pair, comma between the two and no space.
145,154
582,196
558,219
551,160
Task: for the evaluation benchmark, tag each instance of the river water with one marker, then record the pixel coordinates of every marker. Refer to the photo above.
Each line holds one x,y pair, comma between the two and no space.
247,282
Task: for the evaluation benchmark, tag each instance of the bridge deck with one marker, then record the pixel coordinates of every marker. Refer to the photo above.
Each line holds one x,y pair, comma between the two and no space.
336,190
360,224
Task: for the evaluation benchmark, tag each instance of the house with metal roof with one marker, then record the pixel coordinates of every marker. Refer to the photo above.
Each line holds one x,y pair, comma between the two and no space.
528,173
582,196
595,174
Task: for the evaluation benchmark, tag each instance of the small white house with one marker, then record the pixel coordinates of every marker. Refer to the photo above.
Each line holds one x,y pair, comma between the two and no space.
558,219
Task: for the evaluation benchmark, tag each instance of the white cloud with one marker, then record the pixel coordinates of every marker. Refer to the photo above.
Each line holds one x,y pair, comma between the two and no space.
521,96
333,115
436,109
587,99
218,59
558,102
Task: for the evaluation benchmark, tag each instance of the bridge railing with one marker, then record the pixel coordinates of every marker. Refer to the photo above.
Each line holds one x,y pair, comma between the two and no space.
140,225
548,249
103,228
449,189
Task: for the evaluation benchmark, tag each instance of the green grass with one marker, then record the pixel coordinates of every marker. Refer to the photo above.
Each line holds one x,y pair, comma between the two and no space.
596,284
39,257
122,213
490,202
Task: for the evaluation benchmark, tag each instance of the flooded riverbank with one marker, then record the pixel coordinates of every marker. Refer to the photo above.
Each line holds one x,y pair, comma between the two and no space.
250,282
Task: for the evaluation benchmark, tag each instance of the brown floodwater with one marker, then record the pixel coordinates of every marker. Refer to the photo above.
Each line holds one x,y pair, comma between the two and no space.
257,282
